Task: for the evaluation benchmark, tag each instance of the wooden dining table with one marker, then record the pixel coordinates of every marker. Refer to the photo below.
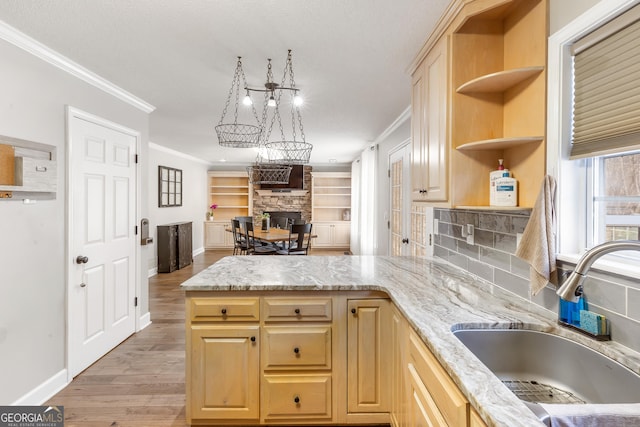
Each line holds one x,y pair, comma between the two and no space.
273,235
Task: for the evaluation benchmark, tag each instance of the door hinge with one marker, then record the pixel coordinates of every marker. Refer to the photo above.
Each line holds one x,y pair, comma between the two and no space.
136,230
135,302
388,225
430,241
388,173
136,158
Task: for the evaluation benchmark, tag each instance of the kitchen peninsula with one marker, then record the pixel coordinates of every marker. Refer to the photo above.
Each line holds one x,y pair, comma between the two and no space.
367,323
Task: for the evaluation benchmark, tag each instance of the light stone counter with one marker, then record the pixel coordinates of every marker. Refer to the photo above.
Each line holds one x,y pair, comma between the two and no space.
435,297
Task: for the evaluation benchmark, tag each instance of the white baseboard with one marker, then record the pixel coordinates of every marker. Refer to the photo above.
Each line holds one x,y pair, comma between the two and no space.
152,272
145,320
44,391
198,251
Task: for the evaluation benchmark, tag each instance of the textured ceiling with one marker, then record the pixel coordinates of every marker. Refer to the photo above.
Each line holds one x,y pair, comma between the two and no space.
349,56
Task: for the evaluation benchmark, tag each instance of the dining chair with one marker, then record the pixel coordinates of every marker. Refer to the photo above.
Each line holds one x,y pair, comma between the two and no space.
299,241
240,246
254,246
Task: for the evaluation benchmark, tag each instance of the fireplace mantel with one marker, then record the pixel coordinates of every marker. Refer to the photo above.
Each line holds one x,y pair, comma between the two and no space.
292,193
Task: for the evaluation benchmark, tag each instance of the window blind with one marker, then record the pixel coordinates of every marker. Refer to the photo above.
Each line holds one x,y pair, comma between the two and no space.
606,105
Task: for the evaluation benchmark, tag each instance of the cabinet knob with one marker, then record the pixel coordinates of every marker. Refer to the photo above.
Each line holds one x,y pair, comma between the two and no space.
253,339
296,399
297,311
296,350
353,310
224,311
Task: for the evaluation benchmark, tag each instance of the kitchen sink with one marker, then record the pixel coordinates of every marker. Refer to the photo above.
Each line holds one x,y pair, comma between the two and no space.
543,368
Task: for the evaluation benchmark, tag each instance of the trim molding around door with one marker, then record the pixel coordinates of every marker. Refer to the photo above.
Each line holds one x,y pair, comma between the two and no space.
72,112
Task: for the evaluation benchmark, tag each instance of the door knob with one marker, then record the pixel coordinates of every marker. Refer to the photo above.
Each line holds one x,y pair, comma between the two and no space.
81,259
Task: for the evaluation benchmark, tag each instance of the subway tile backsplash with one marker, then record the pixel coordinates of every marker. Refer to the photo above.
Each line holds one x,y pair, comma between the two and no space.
492,258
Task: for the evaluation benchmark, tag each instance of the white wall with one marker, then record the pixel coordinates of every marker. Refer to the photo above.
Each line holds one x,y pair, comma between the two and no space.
400,133
561,12
194,197
32,237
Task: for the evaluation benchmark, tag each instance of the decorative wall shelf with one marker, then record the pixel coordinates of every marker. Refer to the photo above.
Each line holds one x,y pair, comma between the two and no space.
500,81
499,143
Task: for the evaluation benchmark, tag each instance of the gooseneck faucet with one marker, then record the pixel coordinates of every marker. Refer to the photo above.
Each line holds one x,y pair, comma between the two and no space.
571,289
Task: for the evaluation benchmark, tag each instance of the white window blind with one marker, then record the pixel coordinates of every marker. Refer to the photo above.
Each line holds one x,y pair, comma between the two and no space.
606,113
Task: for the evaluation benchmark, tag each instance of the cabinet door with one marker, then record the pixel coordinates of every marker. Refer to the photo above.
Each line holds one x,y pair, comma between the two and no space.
324,233
167,248
435,151
215,235
423,411
399,395
342,234
185,245
225,372
417,132
368,354
429,173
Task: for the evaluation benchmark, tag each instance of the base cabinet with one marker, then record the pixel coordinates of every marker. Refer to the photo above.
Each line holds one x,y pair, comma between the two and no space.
332,234
368,335
217,236
175,247
310,358
224,372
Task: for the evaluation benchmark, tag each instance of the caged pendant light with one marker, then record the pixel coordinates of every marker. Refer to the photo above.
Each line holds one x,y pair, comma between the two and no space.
275,158
239,135
288,151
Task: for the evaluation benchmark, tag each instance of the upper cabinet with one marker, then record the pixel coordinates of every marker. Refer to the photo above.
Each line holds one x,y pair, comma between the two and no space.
429,145
496,97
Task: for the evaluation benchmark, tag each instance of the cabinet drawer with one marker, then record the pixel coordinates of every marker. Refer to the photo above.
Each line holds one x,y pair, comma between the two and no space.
297,309
225,309
297,347
423,411
296,396
450,401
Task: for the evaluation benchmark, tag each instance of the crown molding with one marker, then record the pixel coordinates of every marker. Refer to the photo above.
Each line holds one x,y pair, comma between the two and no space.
154,146
403,117
34,47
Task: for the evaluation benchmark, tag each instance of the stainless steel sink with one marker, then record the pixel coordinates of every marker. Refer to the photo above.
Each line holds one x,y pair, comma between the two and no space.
544,368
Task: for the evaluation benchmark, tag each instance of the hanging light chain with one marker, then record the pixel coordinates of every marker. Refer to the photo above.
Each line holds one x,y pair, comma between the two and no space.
234,84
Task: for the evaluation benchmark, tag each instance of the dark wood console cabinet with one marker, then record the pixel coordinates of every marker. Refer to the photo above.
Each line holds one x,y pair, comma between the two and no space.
175,249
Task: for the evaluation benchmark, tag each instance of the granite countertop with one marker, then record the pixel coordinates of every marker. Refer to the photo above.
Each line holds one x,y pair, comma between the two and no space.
435,297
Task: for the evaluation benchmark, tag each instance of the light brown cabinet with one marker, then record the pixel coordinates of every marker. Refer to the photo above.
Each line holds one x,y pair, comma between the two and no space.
429,144
308,358
495,95
368,338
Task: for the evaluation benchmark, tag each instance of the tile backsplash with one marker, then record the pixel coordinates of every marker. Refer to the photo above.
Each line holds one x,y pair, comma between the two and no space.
491,257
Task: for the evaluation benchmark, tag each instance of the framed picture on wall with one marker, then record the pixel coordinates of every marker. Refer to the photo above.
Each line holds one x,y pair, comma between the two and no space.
169,187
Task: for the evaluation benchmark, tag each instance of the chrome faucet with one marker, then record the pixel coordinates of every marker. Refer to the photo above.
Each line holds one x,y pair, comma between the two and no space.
571,289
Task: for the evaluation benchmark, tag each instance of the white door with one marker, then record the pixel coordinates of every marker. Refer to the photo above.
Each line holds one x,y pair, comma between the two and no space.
102,244
400,182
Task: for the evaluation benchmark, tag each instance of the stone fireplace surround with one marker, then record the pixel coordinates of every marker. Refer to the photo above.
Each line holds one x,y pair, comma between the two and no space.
273,201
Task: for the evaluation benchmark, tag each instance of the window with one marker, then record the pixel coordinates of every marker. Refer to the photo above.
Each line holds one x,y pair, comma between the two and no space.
597,165
614,204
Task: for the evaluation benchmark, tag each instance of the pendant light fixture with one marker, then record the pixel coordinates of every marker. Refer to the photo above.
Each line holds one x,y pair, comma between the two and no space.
275,158
239,135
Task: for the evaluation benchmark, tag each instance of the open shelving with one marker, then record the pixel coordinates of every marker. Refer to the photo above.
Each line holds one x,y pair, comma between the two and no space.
498,111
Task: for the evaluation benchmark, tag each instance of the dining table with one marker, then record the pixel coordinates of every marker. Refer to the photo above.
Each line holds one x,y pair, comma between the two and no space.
272,235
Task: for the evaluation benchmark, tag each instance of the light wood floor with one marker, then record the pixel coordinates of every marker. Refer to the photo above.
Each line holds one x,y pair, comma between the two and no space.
140,383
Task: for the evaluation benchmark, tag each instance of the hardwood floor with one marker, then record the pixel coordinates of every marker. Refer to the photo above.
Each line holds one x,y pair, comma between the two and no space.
141,382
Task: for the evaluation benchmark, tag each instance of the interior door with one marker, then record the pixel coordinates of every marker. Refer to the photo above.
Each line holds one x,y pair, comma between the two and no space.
400,182
102,244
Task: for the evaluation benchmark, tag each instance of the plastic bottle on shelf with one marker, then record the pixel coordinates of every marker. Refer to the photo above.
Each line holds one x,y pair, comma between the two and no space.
493,177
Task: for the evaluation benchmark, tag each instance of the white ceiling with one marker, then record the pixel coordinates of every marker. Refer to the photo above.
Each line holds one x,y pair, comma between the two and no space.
350,59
